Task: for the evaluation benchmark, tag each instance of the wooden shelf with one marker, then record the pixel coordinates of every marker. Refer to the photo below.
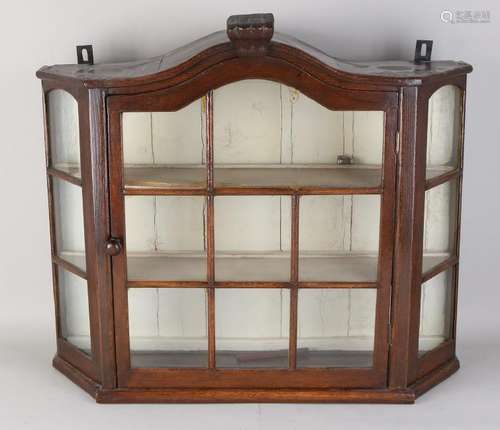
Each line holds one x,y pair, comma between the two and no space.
437,171
301,177
75,259
171,267
440,175
251,359
71,169
167,177
257,267
265,179
67,173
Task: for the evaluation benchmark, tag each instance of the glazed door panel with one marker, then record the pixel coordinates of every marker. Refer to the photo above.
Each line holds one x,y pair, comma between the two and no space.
257,232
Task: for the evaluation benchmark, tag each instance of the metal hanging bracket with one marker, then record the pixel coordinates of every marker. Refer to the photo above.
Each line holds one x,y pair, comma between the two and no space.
423,51
89,54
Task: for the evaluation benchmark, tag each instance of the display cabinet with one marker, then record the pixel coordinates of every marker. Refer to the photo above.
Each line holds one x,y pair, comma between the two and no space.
248,219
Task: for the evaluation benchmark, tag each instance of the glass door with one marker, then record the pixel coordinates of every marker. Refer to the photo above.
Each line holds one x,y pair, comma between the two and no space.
257,232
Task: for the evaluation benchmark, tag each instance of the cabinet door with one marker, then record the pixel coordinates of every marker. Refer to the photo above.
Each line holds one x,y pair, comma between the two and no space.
250,246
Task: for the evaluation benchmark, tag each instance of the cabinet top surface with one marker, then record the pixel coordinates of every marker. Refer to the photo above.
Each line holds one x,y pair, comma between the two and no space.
218,47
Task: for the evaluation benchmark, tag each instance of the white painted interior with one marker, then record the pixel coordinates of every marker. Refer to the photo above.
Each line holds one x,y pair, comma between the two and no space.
435,316
74,308
259,122
443,128
63,129
440,216
68,216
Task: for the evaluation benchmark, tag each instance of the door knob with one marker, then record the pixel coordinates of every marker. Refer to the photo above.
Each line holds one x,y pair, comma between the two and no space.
113,246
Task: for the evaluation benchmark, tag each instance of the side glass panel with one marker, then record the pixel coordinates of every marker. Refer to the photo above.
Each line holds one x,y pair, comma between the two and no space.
165,149
336,327
68,222
443,131
436,311
166,238
67,218
270,135
168,327
440,217
339,238
74,310
63,131
251,327
440,224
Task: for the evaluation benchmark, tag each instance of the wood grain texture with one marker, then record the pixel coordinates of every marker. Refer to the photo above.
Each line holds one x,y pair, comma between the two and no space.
255,395
179,62
255,108
280,178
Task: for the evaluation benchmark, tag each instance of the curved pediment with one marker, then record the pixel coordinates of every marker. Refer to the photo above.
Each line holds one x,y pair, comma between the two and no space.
251,38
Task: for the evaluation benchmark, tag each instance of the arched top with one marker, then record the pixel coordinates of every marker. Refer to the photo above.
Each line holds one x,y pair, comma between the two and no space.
250,39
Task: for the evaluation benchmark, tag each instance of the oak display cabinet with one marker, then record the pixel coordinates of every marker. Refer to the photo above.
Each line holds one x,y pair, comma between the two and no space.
247,219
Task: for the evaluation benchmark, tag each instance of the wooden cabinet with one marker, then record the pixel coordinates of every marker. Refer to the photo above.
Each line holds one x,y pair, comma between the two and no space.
249,219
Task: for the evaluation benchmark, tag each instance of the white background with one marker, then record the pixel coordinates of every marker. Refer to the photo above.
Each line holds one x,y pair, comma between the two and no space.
34,33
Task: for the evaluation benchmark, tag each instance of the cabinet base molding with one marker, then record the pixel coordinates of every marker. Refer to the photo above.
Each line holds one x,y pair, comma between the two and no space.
190,395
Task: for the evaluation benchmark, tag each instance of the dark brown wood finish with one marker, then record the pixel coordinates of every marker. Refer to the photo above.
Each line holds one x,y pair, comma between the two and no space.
46,87
334,98
195,395
119,266
460,82
89,218
445,351
251,191
89,365
408,237
192,59
435,358
210,230
438,180
172,81
58,261
386,249
101,264
441,267
294,282
51,171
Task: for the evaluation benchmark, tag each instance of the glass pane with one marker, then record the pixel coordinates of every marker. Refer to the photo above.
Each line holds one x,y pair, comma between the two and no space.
165,149
443,130
63,131
336,327
252,238
339,238
168,327
440,223
269,135
68,221
251,327
74,309
436,311
166,238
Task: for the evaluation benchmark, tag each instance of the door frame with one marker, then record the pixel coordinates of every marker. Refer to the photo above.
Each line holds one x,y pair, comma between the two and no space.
176,97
